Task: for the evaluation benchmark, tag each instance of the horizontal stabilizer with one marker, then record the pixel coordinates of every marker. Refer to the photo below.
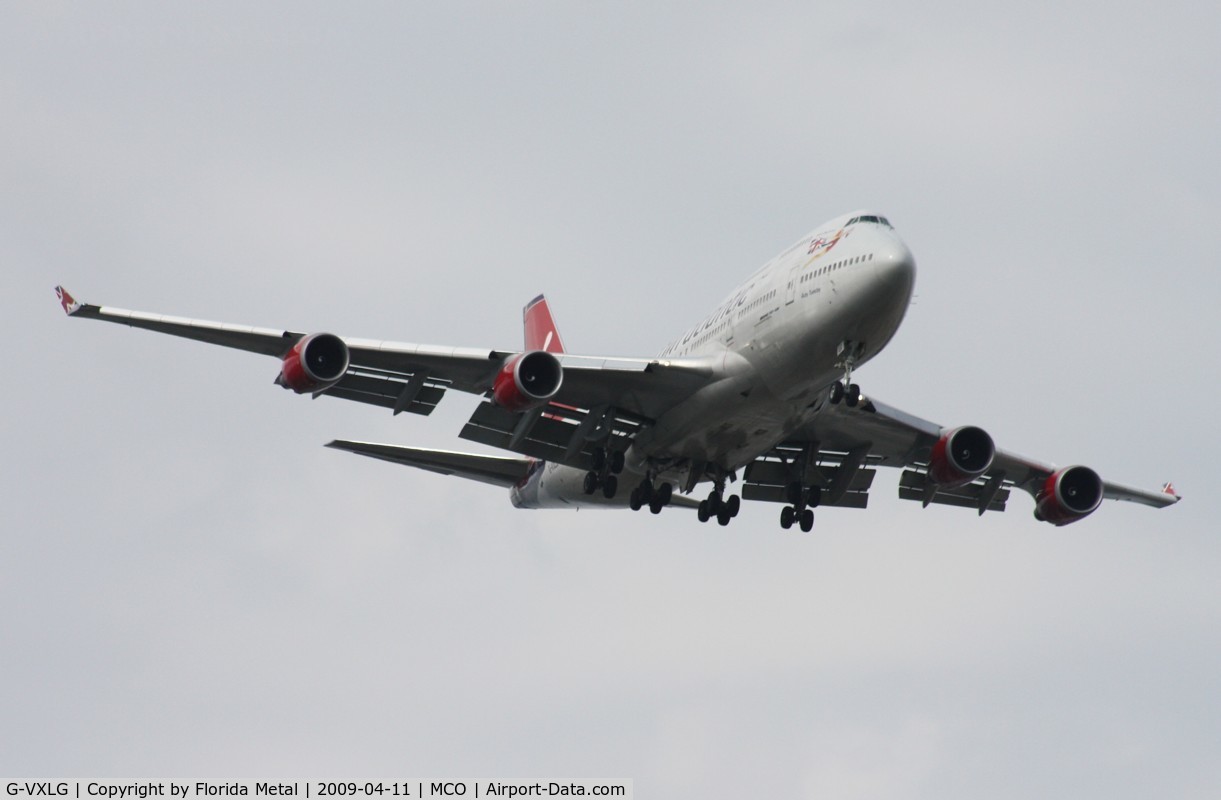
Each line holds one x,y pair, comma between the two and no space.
502,471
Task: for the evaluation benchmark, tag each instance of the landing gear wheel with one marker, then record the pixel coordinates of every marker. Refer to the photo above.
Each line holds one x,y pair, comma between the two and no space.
853,396
723,516
702,512
591,482
837,393
655,506
714,502
616,462
664,493
807,520
786,517
815,496
733,505
610,485
646,491
633,501
599,459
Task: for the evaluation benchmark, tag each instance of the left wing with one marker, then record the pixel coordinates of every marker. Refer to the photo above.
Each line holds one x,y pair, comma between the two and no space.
598,396
837,451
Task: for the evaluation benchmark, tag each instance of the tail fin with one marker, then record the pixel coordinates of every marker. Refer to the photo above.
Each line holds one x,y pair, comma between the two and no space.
541,333
66,300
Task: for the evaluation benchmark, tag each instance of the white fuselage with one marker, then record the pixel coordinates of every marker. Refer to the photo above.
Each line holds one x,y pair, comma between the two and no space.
779,342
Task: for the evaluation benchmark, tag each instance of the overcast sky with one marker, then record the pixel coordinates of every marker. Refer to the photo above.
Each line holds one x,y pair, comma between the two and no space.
191,585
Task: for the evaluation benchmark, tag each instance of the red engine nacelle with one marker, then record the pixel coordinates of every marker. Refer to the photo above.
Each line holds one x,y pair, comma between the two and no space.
527,380
1071,494
315,363
960,456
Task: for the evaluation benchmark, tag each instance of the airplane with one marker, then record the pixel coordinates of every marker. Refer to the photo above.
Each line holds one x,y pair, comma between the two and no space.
759,392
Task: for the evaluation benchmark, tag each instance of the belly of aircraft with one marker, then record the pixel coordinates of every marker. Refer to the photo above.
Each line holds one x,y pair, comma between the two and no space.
729,424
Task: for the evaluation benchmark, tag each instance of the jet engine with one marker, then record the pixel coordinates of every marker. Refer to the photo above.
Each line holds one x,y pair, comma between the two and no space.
960,456
527,380
315,363
1068,495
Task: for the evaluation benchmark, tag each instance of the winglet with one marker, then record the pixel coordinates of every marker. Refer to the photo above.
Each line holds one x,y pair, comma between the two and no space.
1168,488
70,305
541,331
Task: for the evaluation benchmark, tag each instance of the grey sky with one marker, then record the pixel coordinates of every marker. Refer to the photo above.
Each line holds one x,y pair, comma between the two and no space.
192,585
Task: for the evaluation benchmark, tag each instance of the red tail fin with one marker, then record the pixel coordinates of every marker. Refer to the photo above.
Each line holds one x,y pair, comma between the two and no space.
541,333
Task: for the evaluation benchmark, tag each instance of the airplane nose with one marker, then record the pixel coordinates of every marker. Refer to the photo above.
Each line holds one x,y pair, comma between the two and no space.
896,271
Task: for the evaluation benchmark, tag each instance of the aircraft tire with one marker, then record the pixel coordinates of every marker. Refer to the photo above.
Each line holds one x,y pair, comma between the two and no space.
617,461
786,517
853,396
815,496
665,492
734,504
599,458
633,501
655,506
723,516
837,393
591,482
807,520
610,485
702,512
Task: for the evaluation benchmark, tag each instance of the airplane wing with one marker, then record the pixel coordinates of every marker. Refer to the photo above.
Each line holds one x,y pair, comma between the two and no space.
839,448
504,471
599,396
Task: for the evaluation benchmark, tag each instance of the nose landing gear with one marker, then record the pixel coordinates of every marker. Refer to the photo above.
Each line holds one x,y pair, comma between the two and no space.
847,391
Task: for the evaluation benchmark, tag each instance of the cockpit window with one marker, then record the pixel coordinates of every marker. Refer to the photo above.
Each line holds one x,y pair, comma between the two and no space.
870,218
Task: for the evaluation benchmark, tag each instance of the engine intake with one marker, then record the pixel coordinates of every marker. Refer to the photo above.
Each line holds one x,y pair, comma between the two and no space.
315,363
527,380
1068,495
960,456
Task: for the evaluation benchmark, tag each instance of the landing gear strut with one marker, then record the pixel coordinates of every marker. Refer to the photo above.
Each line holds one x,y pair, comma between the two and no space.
803,499
846,390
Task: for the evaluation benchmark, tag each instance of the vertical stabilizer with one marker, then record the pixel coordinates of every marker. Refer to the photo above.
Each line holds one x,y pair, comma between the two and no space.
541,333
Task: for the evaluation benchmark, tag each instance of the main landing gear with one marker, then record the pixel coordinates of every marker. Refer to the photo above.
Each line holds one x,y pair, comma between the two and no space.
605,473
717,504
723,509
655,497
803,499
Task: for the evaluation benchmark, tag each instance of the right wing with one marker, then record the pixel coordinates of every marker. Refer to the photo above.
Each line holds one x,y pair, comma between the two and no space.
840,447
